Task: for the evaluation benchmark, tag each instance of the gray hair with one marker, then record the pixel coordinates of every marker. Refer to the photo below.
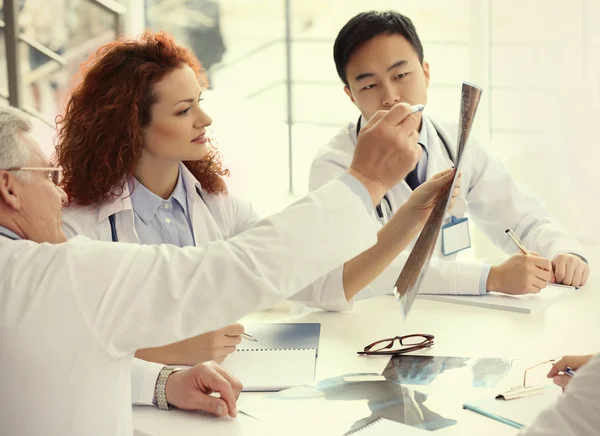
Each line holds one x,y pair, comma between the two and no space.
14,152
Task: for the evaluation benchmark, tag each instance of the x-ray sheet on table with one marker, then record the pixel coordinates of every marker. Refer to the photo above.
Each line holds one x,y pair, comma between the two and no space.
352,401
453,371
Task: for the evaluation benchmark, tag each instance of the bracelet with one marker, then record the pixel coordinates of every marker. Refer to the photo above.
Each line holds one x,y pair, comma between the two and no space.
160,390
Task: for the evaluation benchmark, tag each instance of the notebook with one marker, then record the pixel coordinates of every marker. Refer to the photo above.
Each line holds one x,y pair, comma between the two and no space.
519,412
284,356
516,303
385,427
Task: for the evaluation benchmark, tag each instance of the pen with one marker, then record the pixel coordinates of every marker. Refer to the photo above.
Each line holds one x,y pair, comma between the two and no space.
517,241
570,372
249,337
417,108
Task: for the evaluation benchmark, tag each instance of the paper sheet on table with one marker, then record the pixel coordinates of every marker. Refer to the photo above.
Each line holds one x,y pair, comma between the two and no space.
520,410
515,303
313,411
272,370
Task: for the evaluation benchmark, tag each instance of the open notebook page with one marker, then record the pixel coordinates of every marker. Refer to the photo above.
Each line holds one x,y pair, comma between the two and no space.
272,370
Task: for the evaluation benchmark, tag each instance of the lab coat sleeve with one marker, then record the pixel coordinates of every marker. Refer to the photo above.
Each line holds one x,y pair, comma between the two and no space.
138,296
244,215
576,411
498,202
143,381
323,293
326,292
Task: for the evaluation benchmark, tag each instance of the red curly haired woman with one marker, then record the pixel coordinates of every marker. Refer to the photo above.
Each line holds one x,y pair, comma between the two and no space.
139,168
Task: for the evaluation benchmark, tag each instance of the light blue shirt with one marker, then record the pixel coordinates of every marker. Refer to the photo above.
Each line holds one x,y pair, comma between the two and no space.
159,221
6,232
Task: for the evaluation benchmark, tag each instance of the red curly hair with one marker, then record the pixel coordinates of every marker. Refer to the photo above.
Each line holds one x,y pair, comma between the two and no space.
99,142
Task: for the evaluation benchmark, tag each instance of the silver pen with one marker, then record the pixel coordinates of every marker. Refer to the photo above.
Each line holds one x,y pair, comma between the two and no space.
249,337
517,241
417,108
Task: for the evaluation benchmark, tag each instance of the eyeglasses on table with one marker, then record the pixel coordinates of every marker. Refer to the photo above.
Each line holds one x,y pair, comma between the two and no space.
407,343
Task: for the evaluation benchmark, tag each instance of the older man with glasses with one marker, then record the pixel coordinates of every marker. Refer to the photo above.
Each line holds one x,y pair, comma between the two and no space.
73,313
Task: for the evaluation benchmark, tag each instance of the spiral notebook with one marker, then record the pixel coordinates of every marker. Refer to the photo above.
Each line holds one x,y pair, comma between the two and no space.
284,356
385,427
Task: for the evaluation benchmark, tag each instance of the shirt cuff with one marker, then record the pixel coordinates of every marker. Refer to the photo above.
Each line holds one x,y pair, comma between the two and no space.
485,273
359,189
143,381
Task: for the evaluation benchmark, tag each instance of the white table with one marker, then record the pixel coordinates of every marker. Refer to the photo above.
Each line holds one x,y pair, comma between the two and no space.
571,326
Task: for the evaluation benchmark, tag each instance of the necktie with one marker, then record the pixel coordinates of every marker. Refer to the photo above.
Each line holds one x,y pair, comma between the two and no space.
412,179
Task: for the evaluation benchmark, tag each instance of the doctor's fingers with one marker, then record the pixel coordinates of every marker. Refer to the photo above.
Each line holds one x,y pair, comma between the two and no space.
440,182
577,277
456,192
561,380
573,362
232,330
229,341
400,113
236,384
560,269
542,274
373,120
569,273
540,262
585,275
215,382
536,286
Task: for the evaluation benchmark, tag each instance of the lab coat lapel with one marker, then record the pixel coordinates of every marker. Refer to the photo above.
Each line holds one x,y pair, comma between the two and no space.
204,224
438,155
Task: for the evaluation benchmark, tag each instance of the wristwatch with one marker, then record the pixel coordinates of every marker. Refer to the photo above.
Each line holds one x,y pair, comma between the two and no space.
160,390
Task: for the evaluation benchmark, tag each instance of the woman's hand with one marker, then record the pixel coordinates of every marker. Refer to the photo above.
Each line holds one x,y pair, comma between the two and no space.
424,198
215,345
557,373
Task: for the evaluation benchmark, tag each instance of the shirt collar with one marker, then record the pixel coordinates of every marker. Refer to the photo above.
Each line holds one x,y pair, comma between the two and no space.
9,233
145,203
180,192
123,202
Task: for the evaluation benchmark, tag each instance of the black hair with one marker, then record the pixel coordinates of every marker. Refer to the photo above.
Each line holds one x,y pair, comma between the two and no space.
367,25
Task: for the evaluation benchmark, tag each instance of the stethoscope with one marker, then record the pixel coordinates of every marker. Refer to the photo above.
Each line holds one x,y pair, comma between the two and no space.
113,225
384,208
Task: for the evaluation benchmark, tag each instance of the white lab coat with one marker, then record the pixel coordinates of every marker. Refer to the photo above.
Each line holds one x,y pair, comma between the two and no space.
576,411
214,218
495,202
72,314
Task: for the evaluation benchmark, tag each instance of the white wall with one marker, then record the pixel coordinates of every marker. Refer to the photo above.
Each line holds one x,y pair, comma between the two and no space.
537,60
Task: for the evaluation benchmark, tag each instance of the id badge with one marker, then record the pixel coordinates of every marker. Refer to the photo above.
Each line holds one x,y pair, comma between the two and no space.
456,236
